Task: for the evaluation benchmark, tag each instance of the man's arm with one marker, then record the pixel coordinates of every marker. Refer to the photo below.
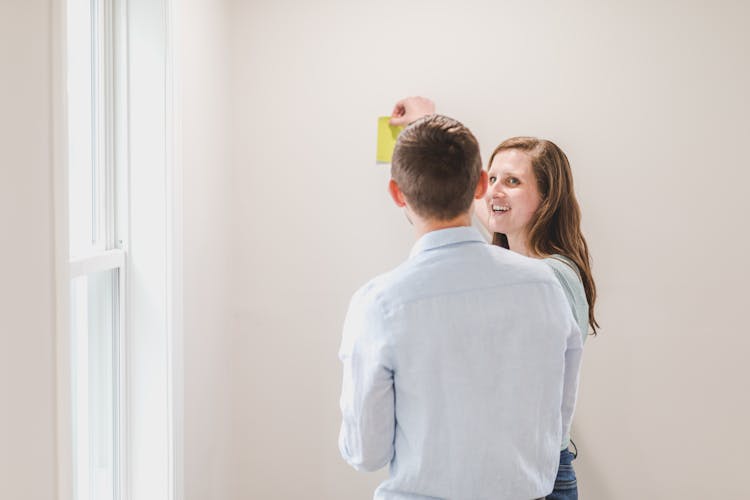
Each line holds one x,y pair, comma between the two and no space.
572,368
367,396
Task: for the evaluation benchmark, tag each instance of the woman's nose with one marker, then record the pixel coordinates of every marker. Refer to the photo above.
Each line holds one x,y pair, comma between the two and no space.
494,190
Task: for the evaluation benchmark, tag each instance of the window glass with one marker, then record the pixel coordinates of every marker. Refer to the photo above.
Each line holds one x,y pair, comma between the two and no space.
94,335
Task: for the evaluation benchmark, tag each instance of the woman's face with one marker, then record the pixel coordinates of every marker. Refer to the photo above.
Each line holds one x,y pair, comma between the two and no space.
513,195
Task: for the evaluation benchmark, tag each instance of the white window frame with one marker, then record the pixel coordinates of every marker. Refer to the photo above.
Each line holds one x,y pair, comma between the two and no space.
125,113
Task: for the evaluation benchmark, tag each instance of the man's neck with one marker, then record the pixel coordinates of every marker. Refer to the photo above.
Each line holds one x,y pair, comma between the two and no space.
424,226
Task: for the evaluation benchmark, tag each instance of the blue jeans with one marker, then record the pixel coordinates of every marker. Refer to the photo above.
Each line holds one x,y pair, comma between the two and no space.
566,487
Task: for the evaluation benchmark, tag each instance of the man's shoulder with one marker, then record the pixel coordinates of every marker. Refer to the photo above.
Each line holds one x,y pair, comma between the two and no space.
375,293
371,290
519,267
473,267
381,286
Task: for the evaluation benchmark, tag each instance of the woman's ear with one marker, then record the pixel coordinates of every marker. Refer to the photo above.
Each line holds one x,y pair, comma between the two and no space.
396,194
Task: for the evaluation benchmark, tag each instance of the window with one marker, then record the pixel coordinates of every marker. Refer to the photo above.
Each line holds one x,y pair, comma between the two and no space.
97,260
118,360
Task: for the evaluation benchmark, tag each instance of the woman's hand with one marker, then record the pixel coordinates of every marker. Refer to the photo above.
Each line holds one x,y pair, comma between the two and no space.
411,109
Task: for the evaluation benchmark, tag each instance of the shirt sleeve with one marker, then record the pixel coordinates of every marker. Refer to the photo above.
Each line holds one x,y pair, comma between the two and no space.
572,368
367,395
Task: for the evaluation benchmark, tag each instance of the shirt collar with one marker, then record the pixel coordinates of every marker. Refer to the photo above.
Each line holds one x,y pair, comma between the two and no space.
443,237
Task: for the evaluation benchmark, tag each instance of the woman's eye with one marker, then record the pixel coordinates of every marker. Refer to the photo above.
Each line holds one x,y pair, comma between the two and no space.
512,181
492,179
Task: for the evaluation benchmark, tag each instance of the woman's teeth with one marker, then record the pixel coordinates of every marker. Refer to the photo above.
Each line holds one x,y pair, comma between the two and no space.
498,208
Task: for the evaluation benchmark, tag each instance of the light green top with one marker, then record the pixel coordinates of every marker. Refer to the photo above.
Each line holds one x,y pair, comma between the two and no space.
567,274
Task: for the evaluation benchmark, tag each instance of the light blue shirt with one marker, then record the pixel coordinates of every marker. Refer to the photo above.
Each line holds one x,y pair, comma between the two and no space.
461,372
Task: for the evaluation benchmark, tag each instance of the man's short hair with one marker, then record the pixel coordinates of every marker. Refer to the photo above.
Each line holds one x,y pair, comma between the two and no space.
436,164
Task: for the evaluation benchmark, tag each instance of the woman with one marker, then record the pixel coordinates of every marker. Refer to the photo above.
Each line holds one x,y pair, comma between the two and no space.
531,209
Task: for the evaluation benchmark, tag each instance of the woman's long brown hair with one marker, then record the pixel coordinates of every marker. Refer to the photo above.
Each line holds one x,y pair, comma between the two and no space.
556,225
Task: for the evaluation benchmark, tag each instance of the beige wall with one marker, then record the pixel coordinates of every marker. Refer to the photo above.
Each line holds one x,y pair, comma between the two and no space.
27,313
648,99
209,386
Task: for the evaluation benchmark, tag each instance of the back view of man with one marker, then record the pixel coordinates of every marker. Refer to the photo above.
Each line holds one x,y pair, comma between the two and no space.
460,365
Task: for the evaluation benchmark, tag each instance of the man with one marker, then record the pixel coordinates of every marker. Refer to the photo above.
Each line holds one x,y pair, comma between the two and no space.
460,365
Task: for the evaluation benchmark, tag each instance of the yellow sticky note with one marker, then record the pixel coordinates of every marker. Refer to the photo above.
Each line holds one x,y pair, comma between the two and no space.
387,136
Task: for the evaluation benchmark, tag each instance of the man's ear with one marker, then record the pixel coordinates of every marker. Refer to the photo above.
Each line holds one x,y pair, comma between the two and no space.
481,186
396,194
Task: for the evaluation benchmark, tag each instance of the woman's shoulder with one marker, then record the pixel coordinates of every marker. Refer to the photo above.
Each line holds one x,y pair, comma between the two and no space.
569,277
564,267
